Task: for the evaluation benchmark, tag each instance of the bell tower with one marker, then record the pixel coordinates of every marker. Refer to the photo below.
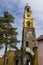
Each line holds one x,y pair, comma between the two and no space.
28,36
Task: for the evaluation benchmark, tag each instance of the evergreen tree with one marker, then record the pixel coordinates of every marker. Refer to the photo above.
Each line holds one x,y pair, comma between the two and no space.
8,34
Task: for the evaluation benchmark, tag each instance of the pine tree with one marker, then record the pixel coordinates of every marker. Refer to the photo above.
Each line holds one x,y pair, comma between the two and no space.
8,34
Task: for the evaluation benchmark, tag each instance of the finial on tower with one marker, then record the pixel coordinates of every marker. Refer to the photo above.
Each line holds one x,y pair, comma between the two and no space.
27,4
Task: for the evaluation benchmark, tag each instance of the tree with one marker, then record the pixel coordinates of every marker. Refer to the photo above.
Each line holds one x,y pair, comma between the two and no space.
8,34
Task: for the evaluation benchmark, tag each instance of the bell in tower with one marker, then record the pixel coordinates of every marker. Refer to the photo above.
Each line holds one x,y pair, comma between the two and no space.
28,37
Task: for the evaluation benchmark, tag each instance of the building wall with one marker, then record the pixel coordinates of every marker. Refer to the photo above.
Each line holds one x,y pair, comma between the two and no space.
36,57
1,61
11,56
40,52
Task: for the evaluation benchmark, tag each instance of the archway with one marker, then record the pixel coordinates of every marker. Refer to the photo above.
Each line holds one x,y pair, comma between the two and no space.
16,61
27,62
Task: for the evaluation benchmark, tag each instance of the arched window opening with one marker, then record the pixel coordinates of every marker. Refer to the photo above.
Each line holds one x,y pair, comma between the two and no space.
27,9
28,23
17,62
27,62
27,44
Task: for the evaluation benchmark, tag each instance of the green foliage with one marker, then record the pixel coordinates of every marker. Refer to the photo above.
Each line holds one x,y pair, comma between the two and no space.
8,34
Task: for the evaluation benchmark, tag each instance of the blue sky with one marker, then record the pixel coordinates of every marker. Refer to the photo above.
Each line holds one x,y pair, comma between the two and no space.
16,8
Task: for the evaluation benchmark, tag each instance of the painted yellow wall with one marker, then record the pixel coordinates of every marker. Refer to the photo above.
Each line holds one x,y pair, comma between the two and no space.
10,56
36,58
1,61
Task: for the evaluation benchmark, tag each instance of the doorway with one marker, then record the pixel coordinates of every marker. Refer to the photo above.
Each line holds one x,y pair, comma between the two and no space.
16,61
27,62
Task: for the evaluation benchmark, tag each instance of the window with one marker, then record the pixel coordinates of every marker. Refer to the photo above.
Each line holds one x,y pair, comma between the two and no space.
28,15
27,44
27,9
6,62
32,40
28,23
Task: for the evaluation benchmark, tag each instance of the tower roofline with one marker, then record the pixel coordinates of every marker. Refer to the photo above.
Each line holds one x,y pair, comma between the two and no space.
27,5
